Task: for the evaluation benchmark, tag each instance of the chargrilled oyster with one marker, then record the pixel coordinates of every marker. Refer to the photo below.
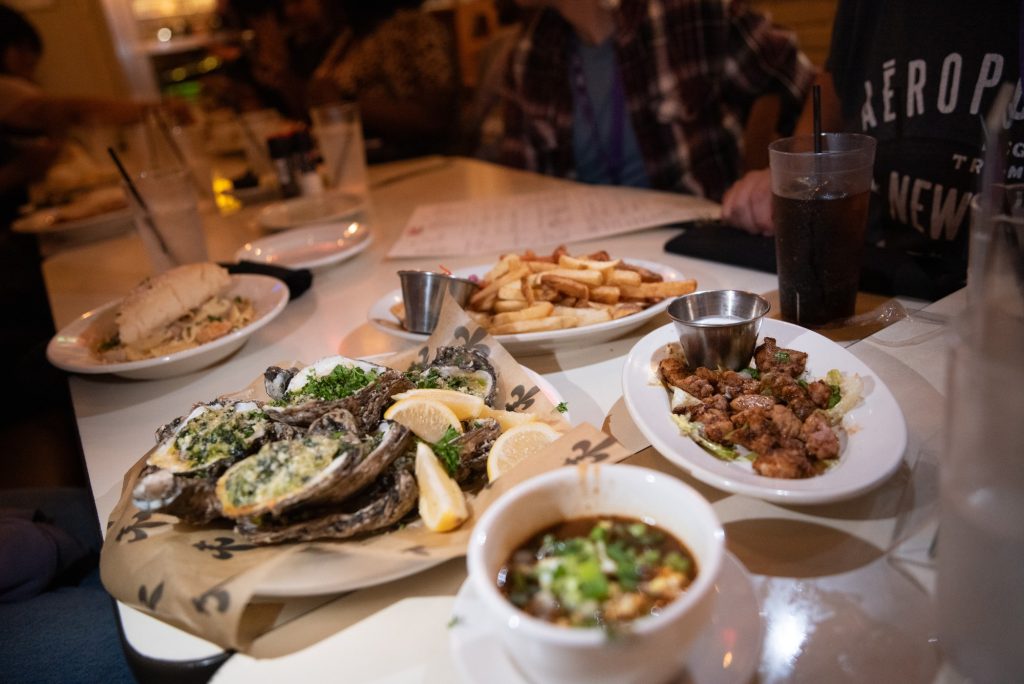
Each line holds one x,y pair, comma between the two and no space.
462,369
392,496
324,466
194,450
364,389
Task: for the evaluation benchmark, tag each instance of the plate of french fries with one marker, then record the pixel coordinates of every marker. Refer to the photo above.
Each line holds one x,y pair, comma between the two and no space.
535,303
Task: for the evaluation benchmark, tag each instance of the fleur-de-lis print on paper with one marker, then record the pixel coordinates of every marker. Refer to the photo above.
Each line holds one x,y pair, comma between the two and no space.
523,398
224,548
151,599
586,452
140,523
221,599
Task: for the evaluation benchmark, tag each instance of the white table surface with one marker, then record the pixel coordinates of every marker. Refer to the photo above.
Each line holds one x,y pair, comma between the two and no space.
837,606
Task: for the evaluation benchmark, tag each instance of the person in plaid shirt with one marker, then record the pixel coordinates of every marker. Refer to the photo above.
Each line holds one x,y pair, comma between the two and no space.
648,93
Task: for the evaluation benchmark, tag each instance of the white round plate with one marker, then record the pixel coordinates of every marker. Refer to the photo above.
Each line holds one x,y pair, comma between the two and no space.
70,348
727,652
533,343
309,247
302,211
310,573
876,430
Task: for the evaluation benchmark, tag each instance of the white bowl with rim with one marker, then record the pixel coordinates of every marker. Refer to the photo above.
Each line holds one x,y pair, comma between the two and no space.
655,648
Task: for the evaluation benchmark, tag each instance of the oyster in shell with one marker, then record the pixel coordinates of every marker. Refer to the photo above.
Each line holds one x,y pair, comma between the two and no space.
393,495
462,369
195,449
367,404
326,465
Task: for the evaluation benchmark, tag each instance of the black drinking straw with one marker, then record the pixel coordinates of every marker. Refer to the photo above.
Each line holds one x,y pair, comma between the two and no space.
816,94
148,218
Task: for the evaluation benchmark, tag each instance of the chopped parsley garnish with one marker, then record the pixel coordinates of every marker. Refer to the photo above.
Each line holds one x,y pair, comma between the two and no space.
834,396
429,380
754,373
341,382
782,356
447,452
562,407
453,621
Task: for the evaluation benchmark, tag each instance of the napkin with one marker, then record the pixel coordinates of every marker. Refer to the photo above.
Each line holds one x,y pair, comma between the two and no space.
298,280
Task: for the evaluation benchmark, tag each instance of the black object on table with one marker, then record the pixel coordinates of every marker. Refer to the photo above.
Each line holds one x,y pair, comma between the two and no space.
890,272
298,280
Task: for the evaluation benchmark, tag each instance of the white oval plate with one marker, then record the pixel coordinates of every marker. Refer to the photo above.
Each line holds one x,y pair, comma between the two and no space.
301,211
70,348
309,247
532,343
45,221
313,572
876,430
727,651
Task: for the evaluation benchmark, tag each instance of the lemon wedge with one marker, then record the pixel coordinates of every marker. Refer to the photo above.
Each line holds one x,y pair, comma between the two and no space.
517,444
465,406
442,503
507,419
428,419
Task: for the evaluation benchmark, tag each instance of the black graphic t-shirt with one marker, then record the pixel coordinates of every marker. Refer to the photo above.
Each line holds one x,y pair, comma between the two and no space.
921,77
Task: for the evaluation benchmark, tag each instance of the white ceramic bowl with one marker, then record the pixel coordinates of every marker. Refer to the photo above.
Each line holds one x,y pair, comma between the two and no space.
656,648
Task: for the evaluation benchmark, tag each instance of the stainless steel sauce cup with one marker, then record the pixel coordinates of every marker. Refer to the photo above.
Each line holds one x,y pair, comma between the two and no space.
423,294
718,328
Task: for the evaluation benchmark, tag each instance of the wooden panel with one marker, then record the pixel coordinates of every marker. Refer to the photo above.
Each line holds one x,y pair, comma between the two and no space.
810,19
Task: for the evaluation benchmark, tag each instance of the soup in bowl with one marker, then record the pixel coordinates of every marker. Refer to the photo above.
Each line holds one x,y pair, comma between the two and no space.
598,573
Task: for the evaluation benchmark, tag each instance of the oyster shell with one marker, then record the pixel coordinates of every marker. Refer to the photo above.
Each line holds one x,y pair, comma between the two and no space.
474,445
172,485
210,434
367,404
393,496
326,465
462,369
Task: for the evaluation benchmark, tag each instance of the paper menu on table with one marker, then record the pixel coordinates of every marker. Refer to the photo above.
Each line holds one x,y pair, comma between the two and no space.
529,221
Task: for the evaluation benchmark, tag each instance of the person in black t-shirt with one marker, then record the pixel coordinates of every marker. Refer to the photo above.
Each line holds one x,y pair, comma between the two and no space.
921,78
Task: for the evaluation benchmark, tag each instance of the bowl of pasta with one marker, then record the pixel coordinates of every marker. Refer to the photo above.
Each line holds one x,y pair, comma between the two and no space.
175,323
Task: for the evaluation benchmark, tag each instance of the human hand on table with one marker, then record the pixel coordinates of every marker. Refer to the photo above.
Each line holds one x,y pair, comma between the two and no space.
748,203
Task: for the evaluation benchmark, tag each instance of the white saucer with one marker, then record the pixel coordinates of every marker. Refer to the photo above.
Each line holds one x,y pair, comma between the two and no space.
304,211
309,247
727,652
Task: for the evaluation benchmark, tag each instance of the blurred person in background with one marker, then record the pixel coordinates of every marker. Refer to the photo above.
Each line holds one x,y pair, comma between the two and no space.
646,93
920,78
398,63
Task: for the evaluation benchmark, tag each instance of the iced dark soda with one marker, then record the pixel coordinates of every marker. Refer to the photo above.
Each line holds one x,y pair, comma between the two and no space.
819,208
818,247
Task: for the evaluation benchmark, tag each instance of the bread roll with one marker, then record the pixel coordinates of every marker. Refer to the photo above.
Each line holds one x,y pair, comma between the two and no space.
160,300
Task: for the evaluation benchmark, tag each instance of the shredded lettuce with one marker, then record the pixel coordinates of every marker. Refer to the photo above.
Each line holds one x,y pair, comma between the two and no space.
695,432
851,388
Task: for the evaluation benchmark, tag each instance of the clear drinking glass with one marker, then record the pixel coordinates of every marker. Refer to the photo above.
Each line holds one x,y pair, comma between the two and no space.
169,225
820,208
980,582
339,133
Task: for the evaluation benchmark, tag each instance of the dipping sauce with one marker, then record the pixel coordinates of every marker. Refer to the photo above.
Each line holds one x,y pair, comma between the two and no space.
719,320
597,572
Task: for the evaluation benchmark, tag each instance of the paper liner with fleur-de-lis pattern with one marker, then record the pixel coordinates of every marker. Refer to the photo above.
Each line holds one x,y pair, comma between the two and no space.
204,579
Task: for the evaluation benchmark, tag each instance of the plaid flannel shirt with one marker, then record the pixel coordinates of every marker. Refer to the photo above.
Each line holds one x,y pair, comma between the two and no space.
690,70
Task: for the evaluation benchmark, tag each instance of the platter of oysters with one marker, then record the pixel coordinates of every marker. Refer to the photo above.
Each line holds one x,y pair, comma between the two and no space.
343,449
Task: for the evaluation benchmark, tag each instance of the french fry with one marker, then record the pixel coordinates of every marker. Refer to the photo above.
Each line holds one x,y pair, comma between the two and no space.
660,290
513,290
527,291
539,310
534,325
398,311
480,318
540,266
506,305
622,277
621,310
646,275
606,294
589,277
585,316
566,261
491,289
568,287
